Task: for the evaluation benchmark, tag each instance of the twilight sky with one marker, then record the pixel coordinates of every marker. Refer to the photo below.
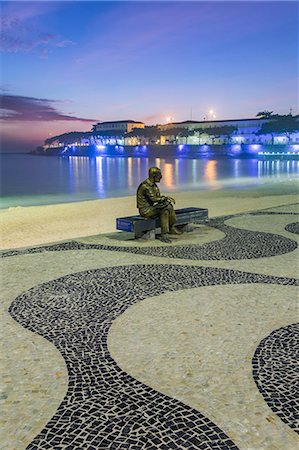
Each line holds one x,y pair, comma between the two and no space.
67,65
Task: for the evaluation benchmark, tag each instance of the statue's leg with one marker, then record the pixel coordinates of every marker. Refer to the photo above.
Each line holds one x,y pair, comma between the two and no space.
163,214
172,220
164,219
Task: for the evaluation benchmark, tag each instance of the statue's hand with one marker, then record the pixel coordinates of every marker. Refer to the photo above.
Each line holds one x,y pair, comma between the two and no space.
164,201
172,200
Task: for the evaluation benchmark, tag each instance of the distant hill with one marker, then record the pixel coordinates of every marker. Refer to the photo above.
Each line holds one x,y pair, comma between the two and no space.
68,138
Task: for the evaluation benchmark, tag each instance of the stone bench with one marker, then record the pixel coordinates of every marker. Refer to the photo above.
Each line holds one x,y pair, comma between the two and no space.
147,228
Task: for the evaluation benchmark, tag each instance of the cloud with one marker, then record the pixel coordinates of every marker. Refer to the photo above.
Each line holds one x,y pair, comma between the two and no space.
19,108
153,118
19,32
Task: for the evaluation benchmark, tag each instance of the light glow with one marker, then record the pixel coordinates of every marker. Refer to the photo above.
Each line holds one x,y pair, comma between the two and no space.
169,119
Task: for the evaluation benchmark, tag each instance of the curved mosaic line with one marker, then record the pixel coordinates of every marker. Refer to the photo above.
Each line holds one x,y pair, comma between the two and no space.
263,212
237,244
278,208
105,407
275,372
293,227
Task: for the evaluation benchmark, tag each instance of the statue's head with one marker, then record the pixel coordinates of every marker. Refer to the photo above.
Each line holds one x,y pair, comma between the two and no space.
155,174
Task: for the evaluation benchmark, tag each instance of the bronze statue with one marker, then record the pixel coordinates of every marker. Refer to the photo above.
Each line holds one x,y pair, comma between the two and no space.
152,204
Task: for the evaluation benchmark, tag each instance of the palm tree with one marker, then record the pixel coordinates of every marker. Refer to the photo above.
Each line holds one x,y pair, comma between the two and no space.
186,133
264,114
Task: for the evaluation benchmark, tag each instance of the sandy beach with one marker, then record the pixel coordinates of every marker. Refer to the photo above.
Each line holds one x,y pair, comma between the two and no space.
35,225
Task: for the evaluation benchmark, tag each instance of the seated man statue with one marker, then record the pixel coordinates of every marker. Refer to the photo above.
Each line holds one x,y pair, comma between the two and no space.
152,204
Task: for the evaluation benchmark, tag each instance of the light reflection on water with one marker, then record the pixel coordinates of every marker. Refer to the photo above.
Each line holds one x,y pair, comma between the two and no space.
122,175
47,180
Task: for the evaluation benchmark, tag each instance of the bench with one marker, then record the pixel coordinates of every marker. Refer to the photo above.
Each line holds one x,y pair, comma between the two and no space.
147,228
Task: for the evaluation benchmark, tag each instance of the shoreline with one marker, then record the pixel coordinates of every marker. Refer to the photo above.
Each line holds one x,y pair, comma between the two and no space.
37,225
182,149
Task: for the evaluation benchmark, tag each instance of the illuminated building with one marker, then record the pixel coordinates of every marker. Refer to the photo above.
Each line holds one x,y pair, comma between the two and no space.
192,132
123,125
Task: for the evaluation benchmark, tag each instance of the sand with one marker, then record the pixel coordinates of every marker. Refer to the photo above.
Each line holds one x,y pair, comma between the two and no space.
36,225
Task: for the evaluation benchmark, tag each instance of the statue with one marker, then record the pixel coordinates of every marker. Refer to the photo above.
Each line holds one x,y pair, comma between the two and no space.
152,204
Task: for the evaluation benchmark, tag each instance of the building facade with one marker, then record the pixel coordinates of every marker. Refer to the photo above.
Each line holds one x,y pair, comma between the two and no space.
245,132
122,125
210,132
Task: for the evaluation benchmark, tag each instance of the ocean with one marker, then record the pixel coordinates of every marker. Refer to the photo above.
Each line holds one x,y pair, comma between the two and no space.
28,180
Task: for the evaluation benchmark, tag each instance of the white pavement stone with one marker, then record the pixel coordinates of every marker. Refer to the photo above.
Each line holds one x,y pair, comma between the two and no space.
197,345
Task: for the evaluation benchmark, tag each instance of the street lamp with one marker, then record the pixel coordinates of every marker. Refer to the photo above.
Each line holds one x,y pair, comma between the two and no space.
211,114
169,119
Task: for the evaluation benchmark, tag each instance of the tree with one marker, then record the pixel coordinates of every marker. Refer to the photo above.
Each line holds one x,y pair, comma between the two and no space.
179,132
265,114
186,133
173,131
68,138
144,132
285,125
226,130
150,133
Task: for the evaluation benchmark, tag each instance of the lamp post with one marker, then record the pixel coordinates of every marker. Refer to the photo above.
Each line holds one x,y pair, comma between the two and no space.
210,115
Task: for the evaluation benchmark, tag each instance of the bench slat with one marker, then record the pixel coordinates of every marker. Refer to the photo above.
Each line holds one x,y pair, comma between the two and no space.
139,225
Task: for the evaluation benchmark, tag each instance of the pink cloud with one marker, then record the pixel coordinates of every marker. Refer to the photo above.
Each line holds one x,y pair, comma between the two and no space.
19,108
152,119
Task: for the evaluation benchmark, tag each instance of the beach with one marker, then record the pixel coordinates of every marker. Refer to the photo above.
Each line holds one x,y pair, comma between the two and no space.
169,330
36,225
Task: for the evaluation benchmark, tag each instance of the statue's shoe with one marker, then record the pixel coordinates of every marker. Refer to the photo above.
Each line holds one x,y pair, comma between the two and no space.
165,238
174,230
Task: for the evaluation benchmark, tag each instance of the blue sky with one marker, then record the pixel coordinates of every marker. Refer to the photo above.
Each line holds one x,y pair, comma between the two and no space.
66,65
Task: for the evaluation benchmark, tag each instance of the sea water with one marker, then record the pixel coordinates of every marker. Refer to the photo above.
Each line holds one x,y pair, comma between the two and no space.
28,180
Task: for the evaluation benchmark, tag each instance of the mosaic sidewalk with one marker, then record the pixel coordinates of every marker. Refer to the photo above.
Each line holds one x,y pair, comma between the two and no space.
75,294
